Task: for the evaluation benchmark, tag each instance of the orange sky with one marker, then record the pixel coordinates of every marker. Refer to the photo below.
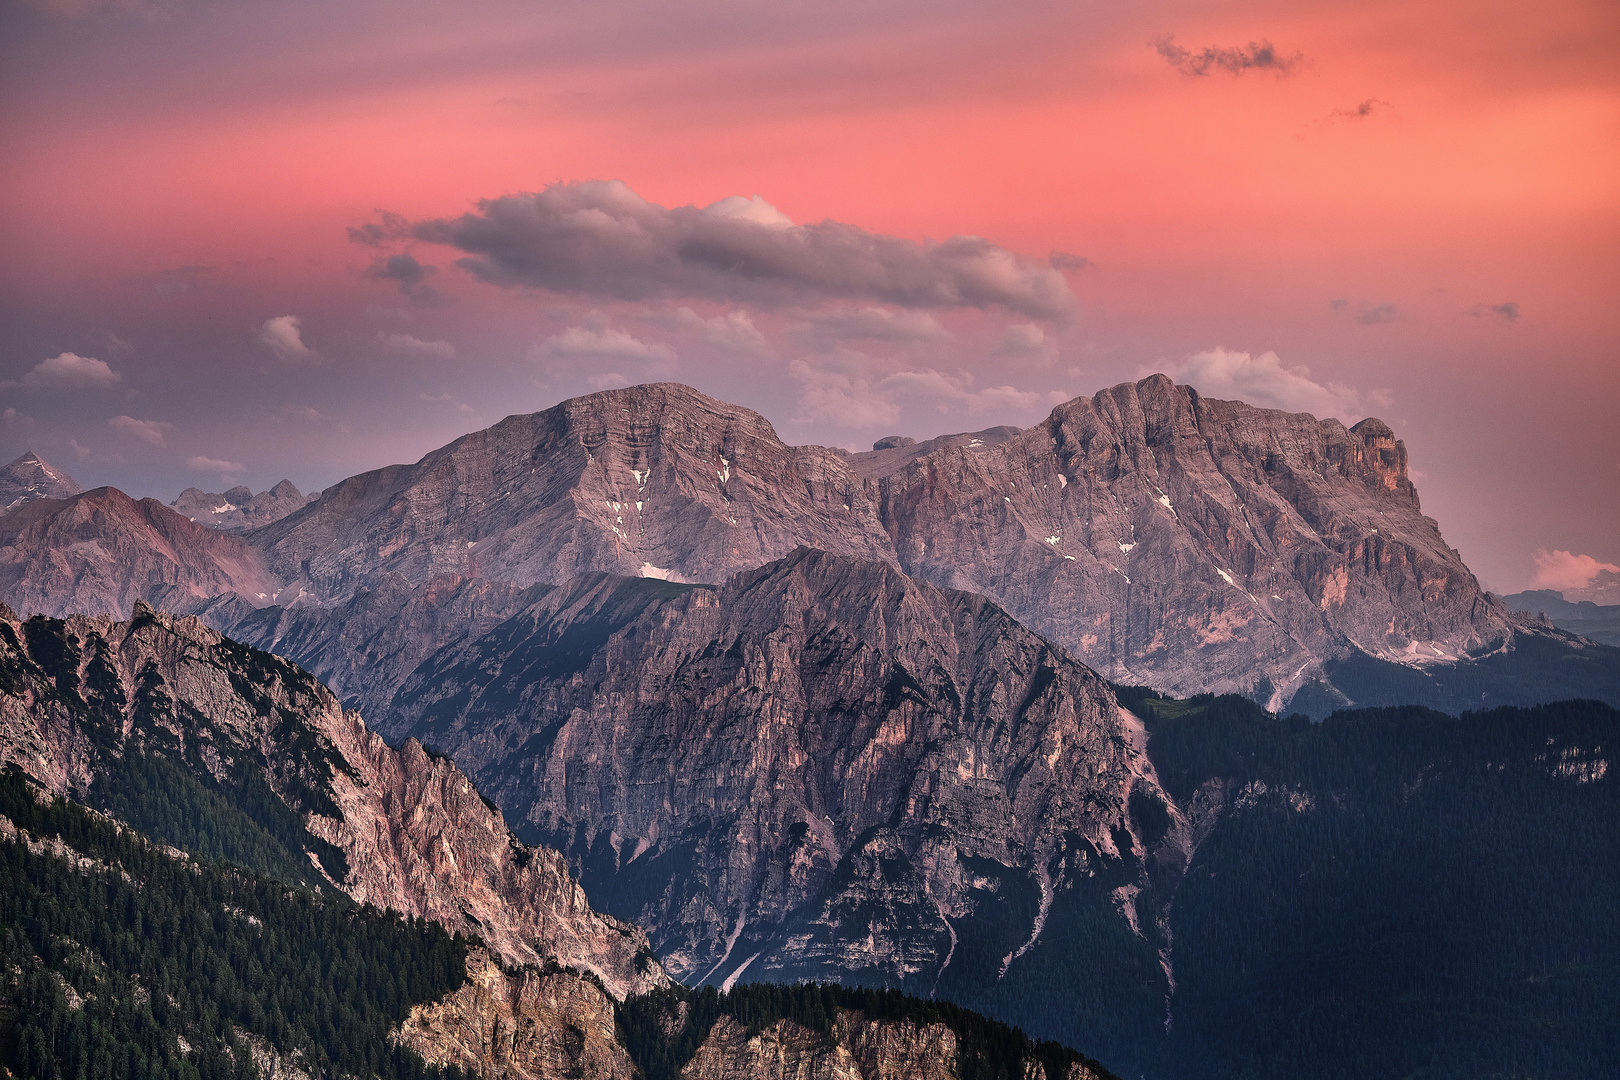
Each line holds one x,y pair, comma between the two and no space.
1377,245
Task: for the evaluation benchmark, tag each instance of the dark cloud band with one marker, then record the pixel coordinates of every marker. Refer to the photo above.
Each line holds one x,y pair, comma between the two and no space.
1235,59
602,239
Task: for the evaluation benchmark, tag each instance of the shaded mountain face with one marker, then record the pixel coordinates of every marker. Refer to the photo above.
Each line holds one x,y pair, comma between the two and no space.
823,769
238,509
32,477
99,552
83,699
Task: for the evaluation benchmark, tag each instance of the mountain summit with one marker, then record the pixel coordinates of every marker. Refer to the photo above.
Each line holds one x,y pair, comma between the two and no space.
32,477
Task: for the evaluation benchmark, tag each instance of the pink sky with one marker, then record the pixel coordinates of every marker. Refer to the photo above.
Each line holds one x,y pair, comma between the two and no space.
1413,212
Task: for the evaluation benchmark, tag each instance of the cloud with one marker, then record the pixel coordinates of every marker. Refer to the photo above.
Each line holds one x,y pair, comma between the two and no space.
1361,111
282,336
149,431
375,234
610,344
1062,260
1264,381
838,392
875,324
1027,340
407,345
12,416
1368,313
215,465
449,399
1508,311
733,333
601,239
1563,570
1259,55
405,270
70,371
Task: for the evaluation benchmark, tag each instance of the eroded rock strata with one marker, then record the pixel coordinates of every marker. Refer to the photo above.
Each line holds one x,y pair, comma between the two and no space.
823,768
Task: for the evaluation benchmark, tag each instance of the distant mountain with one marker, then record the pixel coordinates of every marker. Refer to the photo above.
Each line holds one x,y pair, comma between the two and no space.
32,477
238,509
99,552
1600,622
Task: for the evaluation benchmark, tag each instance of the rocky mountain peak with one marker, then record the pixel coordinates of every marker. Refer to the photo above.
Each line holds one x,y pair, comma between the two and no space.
32,477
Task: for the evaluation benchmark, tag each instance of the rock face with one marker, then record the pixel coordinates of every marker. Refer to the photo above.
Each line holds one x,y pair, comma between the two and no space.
862,1050
1160,536
522,1025
32,477
1195,544
412,833
238,509
652,480
99,552
823,769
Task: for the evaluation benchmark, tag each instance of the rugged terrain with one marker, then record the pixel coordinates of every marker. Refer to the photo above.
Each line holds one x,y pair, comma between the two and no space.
32,477
239,509
823,769
1160,536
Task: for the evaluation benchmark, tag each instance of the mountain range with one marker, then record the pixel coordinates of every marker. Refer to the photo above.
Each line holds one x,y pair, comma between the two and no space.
981,718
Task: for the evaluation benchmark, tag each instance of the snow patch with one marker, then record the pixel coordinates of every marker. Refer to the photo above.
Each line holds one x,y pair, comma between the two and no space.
1225,576
1063,481
1053,539
659,572
1126,548
731,980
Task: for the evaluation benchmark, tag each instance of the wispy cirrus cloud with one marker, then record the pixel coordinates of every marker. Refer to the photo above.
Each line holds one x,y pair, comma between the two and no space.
1507,311
599,238
1259,55
406,345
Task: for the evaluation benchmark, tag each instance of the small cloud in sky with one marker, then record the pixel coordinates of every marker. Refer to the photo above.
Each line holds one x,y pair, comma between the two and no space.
1563,570
448,399
1360,111
407,272
70,371
1508,311
1259,55
283,336
12,416
875,324
1264,381
1368,313
1028,341
840,393
600,238
1062,260
147,431
733,332
610,380
606,344
389,227
406,345
226,469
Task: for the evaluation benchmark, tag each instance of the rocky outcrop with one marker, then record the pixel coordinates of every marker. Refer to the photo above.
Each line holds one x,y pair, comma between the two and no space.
99,552
238,509
520,1025
31,477
822,769
413,833
859,1050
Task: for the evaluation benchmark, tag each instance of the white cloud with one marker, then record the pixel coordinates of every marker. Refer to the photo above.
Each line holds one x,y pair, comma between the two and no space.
875,324
733,333
1264,381
1563,570
148,431
608,343
70,371
215,465
407,345
12,416
283,337
838,391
